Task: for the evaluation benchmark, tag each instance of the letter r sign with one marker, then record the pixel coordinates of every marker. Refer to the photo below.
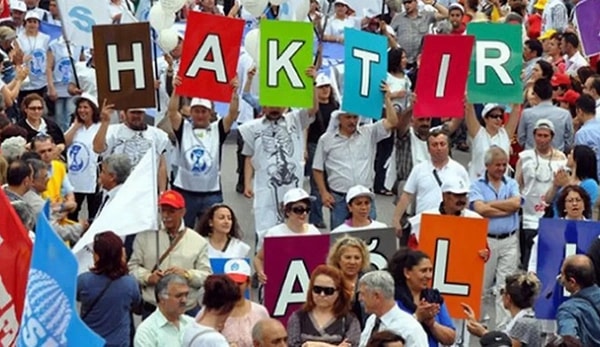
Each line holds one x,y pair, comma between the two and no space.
496,63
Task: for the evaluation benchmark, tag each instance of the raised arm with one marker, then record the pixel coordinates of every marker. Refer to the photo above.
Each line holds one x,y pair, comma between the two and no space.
234,106
513,120
391,118
175,118
471,120
99,143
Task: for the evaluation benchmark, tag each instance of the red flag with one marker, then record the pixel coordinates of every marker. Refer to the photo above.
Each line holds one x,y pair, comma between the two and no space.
443,76
211,50
15,255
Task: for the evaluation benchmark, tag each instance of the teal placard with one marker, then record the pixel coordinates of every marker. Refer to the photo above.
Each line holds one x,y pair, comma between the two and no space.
285,84
496,64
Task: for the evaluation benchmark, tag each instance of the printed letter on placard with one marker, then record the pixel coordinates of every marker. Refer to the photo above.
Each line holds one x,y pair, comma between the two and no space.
210,56
365,67
443,76
286,48
442,256
296,274
123,65
496,63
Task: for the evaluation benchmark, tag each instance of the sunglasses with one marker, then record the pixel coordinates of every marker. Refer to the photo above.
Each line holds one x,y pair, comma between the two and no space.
300,210
495,116
323,290
36,108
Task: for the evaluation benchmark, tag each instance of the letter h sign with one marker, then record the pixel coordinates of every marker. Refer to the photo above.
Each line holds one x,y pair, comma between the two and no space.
123,63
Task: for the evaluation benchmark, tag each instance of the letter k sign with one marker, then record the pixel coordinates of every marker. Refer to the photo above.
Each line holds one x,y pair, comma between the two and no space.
283,61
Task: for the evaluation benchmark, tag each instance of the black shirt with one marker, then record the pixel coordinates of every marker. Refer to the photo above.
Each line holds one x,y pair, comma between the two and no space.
319,126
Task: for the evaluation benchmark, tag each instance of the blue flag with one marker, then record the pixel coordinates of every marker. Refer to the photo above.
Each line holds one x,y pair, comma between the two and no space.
54,31
50,317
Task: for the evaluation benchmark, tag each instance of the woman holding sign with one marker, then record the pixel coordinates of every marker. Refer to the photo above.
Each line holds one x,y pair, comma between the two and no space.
325,319
412,272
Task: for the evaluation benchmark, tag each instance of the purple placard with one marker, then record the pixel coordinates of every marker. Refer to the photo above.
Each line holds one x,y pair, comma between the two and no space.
588,25
289,260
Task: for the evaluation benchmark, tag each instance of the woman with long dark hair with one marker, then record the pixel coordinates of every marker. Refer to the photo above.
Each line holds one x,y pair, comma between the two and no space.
82,161
412,272
108,293
221,229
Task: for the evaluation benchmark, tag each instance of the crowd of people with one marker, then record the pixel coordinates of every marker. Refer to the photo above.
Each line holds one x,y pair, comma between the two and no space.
536,159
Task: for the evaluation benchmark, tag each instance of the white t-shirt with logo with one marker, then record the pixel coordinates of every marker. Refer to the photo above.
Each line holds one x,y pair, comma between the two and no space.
37,48
82,161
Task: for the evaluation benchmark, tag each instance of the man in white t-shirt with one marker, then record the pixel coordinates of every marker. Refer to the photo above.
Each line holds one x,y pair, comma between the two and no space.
133,137
425,180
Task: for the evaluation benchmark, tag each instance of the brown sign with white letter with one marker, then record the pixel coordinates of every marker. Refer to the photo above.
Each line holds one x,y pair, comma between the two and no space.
123,62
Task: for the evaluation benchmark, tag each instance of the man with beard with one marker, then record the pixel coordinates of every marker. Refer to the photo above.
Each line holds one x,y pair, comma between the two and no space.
133,137
274,151
346,155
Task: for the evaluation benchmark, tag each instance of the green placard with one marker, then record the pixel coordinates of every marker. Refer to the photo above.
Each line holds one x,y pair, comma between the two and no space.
496,63
286,51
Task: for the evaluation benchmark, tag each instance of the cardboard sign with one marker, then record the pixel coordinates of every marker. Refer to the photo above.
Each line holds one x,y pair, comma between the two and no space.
218,268
453,243
557,239
443,76
286,51
123,60
365,67
288,264
588,25
210,56
381,243
496,64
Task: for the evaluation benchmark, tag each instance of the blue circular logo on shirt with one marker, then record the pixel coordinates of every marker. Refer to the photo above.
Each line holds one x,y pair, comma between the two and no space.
38,62
78,157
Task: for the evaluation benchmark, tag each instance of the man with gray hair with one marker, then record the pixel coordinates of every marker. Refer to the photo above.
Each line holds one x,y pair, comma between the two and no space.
376,292
114,170
165,326
497,198
269,333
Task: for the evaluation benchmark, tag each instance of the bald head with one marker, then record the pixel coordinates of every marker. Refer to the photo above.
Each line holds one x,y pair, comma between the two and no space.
577,272
269,333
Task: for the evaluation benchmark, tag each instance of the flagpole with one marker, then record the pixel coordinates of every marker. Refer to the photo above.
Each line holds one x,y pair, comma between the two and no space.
155,53
68,44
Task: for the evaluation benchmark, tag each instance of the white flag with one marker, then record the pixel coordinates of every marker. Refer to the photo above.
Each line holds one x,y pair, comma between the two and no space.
79,16
133,209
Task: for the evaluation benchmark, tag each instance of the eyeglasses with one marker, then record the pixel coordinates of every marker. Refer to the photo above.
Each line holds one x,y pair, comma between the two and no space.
300,210
323,290
35,108
574,200
495,116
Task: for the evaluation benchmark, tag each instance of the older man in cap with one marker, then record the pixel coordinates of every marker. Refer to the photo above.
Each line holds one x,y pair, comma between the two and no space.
133,137
175,249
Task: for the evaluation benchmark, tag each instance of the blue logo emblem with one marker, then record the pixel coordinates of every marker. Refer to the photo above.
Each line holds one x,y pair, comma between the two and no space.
38,62
200,160
78,157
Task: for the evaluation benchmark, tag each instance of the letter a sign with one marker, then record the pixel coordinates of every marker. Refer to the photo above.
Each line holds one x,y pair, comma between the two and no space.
123,61
286,50
496,64
211,50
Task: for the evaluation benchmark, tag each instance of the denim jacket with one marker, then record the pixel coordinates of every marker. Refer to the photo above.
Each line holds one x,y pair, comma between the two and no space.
577,317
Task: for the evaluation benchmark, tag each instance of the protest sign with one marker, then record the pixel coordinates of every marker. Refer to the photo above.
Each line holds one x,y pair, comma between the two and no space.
443,76
288,264
123,61
453,243
496,63
365,67
381,243
588,25
79,16
210,56
557,239
286,51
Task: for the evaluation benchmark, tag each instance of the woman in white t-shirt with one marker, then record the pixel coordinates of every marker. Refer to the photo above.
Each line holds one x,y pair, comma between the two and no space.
493,133
221,229
82,161
296,207
34,45
220,296
359,200
399,83
334,28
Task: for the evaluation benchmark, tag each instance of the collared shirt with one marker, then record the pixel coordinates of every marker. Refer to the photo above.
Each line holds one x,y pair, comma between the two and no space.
555,16
426,185
574,63
483,190
157,331
579,316
528,69
589,135
561,118
190,254
410,32
349,161
400,323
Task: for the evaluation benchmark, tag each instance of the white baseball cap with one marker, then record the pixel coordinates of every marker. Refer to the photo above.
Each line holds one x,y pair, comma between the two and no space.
33,14
455,185
322,80
18,6
201,102
456,5
341,2
238,270
544,124
87,96
295,195
488,107
358,191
